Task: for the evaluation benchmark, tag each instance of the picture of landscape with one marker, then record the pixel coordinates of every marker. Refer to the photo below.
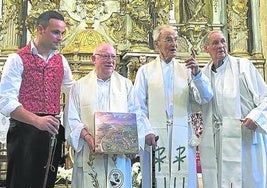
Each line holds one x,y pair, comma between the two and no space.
116,133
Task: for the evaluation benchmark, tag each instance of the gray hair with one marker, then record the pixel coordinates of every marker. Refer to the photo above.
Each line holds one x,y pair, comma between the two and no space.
209,34
157,31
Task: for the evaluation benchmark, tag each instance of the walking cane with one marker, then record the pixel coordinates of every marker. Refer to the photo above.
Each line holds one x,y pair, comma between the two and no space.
154,185
153,170
49,163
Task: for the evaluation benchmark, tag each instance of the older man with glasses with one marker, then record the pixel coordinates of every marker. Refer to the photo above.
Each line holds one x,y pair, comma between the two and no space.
166,90
102,90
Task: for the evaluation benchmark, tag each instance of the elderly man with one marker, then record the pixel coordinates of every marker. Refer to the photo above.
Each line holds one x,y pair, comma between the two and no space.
166,90
102,90
234,145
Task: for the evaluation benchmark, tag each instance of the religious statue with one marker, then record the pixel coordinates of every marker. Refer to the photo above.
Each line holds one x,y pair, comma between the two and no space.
192,11
141,23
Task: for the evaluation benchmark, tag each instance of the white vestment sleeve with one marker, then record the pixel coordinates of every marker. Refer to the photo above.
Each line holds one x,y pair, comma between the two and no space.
72,120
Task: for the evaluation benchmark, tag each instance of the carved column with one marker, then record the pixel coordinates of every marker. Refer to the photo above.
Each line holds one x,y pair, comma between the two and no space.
162,9
140,19
218,8
12,25
257,50
216,12
237,27
195,21
172,14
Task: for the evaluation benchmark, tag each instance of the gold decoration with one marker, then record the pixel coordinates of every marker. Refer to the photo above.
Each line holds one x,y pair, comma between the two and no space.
162,9
79,50
183,45
115,27
125,30
237,27
194,33
84,42
192,11
141,25
87,8
135,63
35,3
12,28
133,67
13,13
38,8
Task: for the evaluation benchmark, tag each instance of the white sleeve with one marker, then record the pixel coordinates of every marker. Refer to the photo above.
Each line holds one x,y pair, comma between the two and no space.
10,84
68,78
72,119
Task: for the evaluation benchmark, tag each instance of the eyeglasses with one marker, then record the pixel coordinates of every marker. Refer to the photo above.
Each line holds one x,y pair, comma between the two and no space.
171,40
107,56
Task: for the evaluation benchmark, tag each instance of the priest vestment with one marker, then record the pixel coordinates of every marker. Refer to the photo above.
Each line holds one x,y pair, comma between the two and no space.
166,93
88,95
232,155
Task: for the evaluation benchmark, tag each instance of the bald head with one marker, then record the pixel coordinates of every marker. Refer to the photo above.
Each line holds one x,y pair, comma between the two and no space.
102,47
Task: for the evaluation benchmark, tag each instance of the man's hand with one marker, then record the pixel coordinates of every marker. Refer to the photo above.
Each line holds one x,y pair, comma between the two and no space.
43,123
249,123
192,63
91,143
151,140
47,123
89,138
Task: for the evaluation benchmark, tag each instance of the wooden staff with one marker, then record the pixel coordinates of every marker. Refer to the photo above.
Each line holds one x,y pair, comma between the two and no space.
153,170
52,146
153,165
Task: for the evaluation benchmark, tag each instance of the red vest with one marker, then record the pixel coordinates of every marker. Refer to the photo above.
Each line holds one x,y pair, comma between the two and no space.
41,82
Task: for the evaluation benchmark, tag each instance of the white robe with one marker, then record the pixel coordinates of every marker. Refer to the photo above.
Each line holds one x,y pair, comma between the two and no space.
241,93
162,97
87,96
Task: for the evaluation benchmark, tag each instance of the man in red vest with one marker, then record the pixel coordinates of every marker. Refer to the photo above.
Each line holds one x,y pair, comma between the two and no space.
30,91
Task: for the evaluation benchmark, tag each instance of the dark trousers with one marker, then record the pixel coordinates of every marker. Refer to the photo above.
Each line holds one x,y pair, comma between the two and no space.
27,154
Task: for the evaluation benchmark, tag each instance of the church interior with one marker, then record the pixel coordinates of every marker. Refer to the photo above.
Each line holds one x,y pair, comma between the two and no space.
128,25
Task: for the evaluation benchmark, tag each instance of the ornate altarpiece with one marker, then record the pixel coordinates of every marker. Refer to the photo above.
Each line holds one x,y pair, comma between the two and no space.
128,25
